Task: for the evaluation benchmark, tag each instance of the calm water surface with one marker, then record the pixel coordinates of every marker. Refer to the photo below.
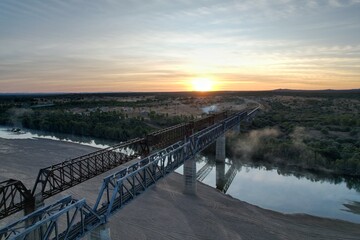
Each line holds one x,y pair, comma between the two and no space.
287,192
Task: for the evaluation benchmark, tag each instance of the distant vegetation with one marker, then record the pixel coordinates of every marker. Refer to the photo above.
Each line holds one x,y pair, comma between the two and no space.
316,130
84,115
309,132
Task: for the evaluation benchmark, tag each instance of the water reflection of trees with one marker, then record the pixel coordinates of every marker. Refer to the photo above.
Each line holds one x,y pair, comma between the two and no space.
300,173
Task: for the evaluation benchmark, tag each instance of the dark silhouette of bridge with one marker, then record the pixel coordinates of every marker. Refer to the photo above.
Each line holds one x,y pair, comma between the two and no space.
154,156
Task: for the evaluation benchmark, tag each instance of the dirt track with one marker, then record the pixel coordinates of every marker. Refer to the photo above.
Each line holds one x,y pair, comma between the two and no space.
164,212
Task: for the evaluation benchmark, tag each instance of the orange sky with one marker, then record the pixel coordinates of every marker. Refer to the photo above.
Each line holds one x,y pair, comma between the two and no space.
92,46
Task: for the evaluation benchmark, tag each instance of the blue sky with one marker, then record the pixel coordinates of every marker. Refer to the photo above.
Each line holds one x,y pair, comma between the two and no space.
134,45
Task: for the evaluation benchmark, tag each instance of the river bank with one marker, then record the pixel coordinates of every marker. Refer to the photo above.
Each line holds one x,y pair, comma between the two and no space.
164,212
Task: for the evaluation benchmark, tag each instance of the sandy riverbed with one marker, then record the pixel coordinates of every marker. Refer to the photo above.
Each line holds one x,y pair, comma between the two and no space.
164,212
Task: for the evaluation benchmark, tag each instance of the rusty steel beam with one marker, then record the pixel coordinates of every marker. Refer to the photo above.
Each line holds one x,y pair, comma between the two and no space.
57,178
14,196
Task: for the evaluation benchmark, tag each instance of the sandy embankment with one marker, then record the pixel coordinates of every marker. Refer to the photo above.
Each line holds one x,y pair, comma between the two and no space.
164,212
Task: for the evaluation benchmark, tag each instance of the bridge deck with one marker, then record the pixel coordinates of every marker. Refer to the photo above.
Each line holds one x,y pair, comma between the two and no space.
123,186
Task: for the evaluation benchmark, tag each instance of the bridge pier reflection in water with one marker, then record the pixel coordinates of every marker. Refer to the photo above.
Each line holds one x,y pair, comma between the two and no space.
223,178
190,174
225,172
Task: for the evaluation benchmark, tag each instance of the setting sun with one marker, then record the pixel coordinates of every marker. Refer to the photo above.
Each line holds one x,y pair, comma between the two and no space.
202,84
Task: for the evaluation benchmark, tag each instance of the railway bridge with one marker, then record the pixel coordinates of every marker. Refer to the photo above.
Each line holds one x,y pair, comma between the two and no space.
152,158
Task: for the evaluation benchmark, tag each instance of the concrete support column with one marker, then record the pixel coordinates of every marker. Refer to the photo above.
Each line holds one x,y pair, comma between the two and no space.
190,176
102,232
30,206
220,148
220,175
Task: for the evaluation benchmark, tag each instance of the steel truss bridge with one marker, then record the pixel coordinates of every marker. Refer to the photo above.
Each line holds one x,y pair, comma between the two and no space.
69,218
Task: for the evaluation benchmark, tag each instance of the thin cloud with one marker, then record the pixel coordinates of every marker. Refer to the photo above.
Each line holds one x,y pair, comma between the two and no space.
65,44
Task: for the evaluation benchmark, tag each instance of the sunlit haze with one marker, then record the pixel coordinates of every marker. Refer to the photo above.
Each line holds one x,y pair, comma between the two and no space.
98,46
202,84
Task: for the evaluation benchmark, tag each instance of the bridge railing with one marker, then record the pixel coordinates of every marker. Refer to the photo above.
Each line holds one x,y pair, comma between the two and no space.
59,177
253,111
167,136
56,221
111,181
123,186
133,184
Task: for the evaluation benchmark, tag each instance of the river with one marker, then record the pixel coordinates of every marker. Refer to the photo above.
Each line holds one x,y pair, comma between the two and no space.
283,190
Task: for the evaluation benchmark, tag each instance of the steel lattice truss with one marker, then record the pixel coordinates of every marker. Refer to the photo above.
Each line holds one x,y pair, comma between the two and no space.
120,188
115,193
167,136
59,177
66,219
13,197
117,189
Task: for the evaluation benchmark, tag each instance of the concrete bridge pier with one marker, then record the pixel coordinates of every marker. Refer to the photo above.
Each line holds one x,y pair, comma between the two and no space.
190,176
102,232
31,205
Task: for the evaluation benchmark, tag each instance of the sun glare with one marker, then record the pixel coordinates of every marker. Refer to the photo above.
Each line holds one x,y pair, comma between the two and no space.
202,84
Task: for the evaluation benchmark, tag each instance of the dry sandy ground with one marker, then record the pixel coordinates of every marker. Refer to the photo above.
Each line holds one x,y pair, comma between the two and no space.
164,212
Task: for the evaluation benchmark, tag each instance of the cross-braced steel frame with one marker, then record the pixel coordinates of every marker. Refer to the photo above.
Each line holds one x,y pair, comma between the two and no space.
117,189
59,177
65,219
14,196
123,186
62,176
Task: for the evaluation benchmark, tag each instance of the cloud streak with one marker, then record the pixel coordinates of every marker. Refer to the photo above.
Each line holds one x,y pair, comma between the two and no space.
241,44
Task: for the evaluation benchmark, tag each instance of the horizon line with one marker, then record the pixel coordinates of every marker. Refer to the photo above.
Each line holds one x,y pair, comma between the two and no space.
218,91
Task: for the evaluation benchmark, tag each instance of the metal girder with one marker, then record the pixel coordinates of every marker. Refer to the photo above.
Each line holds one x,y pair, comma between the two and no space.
66,219
167,136
253,111
62,176
59,177
123,186
117,189
110,182
13,197
170,135
120,191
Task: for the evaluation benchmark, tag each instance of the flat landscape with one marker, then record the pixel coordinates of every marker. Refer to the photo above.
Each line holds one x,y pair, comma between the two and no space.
257,102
